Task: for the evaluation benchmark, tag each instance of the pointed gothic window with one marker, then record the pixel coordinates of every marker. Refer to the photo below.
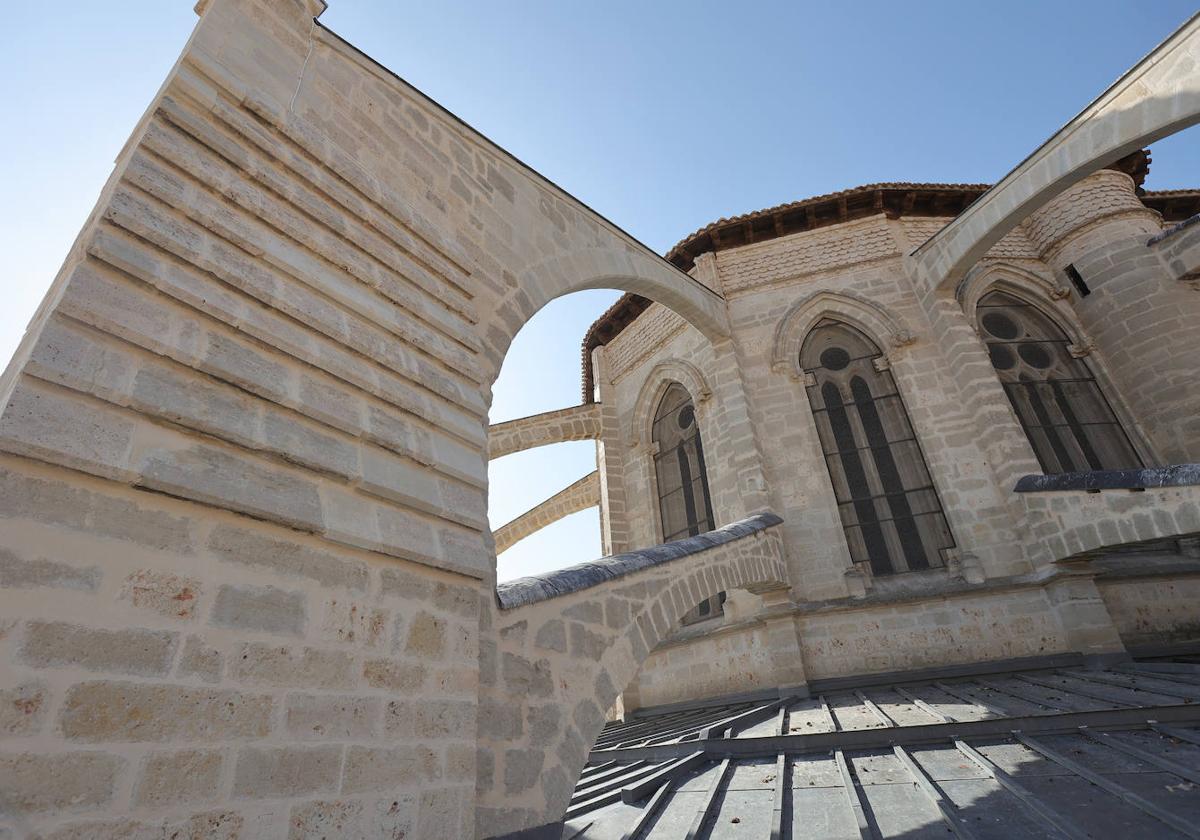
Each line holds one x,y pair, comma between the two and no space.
683,500
889,508
1068,421
679,466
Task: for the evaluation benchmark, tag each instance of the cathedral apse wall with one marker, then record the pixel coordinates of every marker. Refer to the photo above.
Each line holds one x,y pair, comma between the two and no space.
986,601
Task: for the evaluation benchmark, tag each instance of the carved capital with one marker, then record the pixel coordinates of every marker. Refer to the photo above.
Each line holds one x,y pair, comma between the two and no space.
903,338
1084,348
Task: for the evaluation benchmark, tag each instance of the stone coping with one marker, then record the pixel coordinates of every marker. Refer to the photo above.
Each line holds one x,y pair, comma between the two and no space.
530,590
1173,475
1174,229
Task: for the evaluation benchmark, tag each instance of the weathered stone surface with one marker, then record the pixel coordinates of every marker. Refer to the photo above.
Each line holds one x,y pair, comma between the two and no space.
256,549
23,709
543,723
46,783
430,719
141,652
265,608
586,643
200,661
393,817
394,674
527,679
168,778
208,825
258,663
552,636
76,508
320,716
353,623
285,772
405,583
426,636
95,712
383,769
19,573
165,593
522,769
497,720
211,475
460,600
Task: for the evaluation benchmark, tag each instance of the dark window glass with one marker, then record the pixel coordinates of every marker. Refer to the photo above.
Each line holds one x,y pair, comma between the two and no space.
1067,419
683,500
889,508
679,466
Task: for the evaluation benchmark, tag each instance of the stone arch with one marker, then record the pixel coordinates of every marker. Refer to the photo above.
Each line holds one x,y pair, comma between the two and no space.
889,331
1024,284
572,640
627,269
661,377
1157,97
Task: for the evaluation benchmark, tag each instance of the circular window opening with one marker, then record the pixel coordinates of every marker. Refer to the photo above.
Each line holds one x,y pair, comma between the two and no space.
834,358
1035,355
687,416
1000,325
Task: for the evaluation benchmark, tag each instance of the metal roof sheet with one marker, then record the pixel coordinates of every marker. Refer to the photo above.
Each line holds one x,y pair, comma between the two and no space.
1067,752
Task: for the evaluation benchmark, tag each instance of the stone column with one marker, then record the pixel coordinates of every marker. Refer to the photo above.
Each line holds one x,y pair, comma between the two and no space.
1141,321
610,461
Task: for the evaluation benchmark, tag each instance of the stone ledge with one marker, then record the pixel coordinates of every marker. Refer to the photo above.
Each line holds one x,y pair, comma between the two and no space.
1174,475
1174,229
530,590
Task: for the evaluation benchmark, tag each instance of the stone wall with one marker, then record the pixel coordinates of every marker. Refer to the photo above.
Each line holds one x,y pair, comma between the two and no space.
168,665
719,663
568,642
1153,614
1141,319
972,443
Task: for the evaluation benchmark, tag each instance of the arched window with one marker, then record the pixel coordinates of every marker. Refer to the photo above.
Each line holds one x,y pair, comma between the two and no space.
1065,415
679,466
889,507
683,501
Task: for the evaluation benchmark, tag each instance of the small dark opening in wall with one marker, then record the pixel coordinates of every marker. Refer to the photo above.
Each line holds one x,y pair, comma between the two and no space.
1077,280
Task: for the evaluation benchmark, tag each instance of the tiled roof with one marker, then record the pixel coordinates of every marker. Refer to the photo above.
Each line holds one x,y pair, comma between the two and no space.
896,199
1068,752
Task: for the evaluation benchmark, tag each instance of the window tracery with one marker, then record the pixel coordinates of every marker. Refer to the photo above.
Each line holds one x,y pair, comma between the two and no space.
889,508
1065,415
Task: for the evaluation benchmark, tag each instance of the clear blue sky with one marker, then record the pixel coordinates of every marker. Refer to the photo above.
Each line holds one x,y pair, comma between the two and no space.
661,115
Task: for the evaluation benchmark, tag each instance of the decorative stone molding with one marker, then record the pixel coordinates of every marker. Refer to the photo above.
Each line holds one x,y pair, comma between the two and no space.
887,330
661,377
963,566
1024,284
1102,196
